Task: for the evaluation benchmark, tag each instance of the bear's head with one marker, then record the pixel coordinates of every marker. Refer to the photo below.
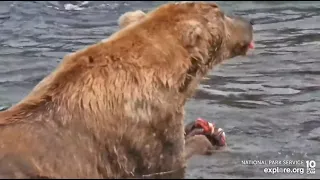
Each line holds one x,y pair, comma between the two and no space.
204,25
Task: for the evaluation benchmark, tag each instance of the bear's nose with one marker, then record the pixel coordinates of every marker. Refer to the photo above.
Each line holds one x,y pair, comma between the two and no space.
251,22
248,21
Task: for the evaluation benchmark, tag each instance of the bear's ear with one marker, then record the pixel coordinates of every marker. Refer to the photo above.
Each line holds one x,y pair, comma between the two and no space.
130,18
193,32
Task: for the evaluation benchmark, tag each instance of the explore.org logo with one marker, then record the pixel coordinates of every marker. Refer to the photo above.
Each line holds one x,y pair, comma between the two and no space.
284,166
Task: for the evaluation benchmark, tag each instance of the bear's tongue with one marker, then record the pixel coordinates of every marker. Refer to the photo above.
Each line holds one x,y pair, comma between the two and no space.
251,45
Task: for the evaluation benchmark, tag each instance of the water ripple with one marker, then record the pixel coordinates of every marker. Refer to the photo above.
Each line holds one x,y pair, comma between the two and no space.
268,103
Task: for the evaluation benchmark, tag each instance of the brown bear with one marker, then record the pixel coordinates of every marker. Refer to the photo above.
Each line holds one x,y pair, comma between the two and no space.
116,108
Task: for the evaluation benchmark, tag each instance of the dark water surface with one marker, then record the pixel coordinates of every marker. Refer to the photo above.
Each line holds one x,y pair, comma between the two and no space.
268,103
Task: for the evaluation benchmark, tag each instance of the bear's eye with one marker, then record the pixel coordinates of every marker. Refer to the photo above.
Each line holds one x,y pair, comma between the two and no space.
214,5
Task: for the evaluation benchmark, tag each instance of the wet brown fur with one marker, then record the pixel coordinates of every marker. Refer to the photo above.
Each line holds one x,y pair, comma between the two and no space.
116,108
198,145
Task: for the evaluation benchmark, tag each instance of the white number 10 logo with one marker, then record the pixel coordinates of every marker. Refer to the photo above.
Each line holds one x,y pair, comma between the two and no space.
311,167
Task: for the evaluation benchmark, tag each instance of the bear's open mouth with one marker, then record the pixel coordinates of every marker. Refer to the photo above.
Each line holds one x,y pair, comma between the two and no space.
251,45
248,47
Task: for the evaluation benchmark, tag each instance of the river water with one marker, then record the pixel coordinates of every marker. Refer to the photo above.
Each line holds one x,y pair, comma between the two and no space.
268,103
